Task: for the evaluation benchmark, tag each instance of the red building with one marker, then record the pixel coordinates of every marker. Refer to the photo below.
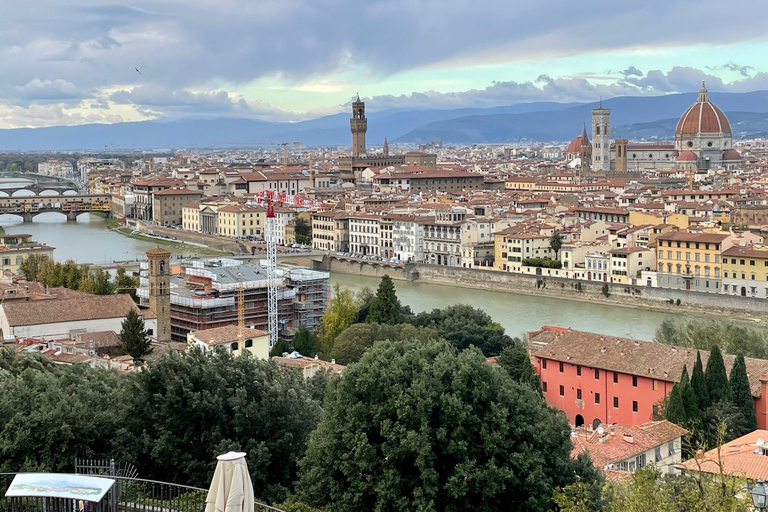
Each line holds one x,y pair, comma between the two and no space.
605,379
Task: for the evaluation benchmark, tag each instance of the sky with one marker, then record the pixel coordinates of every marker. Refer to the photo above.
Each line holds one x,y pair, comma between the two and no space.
67,62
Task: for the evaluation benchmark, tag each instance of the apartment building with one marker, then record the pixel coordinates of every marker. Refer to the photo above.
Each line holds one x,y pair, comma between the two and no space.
627,262
407,238
330,231
690,261
14,249
237,220
365,234
167,205
745,271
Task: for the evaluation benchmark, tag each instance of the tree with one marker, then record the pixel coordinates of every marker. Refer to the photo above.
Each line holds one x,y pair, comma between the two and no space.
699,383
675,411
305,341
134,339
96,281
302,230
364,297
463,326
517,363
690,403
125,283
31,266
717,379
385,307
281,346
556,242
418,425
353,341
339,315
704,333
742,397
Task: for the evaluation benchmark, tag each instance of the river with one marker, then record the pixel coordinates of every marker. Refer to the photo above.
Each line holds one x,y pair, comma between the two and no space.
89,241
86,241
519,314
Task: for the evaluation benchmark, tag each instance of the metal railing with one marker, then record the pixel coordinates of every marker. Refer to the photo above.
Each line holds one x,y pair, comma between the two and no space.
127,495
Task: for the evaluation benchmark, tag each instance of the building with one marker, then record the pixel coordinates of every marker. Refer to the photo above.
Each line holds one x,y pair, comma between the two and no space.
167,205
14,249
204,296
352,167
236,220
597,379
407,238
144,194
690,261
744,457
620,450
628,262
70,314
159,290
330,231
745,271
364,234
601,140
308,366
253,340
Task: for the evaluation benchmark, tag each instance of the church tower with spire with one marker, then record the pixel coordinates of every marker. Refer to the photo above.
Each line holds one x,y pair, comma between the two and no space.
358,125
385,149
601,138
586,153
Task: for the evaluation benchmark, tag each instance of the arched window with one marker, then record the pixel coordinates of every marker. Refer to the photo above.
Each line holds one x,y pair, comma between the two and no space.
234,346
162,267
248,343
597,130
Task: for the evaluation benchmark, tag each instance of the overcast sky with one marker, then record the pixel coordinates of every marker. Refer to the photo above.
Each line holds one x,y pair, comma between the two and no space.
82,61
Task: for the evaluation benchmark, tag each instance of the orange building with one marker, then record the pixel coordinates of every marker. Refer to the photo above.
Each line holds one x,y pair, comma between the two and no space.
599,379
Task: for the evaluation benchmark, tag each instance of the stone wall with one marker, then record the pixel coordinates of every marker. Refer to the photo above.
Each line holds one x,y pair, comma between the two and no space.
214,242
365,268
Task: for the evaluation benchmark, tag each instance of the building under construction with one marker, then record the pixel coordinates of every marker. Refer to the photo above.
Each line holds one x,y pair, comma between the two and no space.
204,295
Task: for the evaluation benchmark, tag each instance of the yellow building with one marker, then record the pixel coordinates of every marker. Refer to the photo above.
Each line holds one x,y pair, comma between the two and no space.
517,243
638,218
167,205
239,220
745,271
254,341
690,261
14,249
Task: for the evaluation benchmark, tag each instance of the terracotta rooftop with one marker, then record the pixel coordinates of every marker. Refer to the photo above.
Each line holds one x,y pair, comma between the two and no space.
226,334
738,458
88,307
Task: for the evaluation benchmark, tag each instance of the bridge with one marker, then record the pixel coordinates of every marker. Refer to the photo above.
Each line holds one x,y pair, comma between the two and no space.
28,207
46,190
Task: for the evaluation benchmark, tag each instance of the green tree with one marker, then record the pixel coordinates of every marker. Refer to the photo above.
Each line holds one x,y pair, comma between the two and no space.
339,315
464,326
281,346
556,242
704,333
717,379
184,409
699,383
690,403
742,397
675,408
125,283
420,426
96,281
134,339
305,341
517,363
364,297
31,266
303,230
353,341
385,307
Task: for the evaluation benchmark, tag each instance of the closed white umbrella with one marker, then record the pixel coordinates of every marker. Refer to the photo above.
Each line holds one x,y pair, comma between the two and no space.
231,489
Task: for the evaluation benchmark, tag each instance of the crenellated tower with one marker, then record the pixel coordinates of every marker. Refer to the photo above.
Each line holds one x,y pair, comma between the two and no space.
358,125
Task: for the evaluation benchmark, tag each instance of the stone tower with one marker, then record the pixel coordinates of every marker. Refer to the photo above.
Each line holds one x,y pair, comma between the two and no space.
585,154
160,291
601,139
621,155
358,125
385,148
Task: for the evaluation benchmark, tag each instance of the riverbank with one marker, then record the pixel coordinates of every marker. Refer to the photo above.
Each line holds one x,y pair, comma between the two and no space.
182,246
675,302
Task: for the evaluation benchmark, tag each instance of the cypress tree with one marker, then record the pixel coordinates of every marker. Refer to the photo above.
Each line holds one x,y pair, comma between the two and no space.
385,307
675,409
134,339
717,379
742,397
690,404
699,384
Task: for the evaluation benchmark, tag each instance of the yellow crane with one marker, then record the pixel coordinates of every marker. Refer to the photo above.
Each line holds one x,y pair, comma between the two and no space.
285,151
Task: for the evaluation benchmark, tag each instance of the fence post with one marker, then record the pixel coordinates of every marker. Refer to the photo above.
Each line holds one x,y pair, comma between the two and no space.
113,492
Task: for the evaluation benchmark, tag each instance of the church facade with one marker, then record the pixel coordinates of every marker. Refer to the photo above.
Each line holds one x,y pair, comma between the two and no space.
703,140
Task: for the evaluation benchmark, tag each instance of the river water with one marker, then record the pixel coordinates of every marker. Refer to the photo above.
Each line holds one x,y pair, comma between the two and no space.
519,314
89,241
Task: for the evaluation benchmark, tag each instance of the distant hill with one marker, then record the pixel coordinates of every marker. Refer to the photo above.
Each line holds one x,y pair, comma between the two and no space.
565,124
631,117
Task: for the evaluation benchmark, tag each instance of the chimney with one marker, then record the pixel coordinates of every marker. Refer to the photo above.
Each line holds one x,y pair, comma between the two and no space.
613,430
333,361
628,438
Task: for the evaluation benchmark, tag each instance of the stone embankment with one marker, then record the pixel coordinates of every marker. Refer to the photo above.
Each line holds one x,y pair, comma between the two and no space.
672,301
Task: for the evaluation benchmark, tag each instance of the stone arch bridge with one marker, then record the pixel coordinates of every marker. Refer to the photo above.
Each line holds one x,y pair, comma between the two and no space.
28,207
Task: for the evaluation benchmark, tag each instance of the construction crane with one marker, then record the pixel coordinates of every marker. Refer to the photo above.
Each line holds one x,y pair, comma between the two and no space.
272,320
240,310
285,151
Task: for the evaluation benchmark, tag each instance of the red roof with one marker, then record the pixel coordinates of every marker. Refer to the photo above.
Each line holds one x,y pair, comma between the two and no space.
703,117
687,156
575,145
731,154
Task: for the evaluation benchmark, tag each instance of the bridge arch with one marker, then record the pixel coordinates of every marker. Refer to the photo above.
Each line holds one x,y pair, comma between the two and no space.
48,192
69,192
3,193
23,192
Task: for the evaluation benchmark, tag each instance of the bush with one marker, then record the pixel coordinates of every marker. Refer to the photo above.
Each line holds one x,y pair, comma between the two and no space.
605,290
542,262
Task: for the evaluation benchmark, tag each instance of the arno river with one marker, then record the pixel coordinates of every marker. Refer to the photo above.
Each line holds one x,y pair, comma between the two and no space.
89,241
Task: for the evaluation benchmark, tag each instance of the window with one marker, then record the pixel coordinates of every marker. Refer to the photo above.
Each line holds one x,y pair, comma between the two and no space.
634,406
655,385
615,402
634,381
671,447
562,390
544,364
597,398
578,370
597,374
657,455
615,377
578,394
561,367
641,461
544,387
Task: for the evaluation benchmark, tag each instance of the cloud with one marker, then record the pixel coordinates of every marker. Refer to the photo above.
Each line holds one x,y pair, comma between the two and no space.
632,71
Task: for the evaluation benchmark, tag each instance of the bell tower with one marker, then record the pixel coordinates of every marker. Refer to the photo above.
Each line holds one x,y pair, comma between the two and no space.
159,275
601,138
358,125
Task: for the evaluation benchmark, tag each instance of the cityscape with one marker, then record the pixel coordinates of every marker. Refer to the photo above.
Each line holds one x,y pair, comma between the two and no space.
464,275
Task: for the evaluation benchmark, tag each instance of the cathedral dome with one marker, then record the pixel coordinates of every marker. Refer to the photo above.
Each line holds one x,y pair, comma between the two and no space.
731,154
687,156
575,145
702,117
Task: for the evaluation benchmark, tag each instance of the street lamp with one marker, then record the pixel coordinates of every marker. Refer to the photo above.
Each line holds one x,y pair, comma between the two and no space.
759,494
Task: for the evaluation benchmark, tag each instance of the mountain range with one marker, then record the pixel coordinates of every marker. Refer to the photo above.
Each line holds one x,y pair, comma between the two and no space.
648,117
